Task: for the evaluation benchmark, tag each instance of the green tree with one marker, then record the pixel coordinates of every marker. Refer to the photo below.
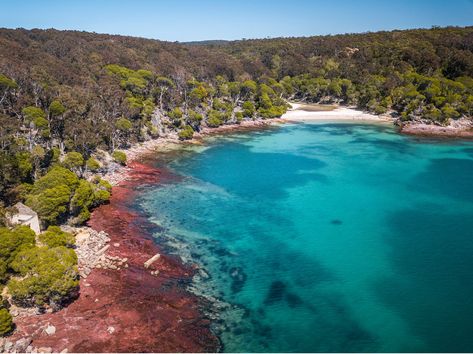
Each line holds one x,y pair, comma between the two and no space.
48,276
214,119
51,194
92,164
13,241
73,160
6,321
186,133
55,237
248,109
119,157
56,108
123,125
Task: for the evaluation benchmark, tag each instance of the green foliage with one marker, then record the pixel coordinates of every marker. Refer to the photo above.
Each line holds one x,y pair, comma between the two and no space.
51,204
214,119
123,124
83,197
73,160
248,109
272,112
55,237
56,108
3,270
92,165
7,83
199,94
176,113
186,133
13,241
6,320
133,81
51,194
32,113
239,116
249,88
119,157
195,118
25,166
56,154
48,276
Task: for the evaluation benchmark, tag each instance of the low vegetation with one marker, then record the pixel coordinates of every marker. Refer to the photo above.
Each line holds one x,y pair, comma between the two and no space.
42,274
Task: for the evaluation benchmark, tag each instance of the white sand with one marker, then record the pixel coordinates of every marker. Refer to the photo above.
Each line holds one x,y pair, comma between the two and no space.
340,113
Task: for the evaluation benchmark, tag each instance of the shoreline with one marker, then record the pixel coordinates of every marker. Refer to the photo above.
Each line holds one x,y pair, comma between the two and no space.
141,150
144,306
303,111
106,312
461,130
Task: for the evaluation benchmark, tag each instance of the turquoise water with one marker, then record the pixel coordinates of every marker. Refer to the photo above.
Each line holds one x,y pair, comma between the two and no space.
328,237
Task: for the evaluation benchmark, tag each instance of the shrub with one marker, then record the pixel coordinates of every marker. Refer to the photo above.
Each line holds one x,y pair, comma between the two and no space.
6,322
248,109
73,160
186,133
239,116
55,237
119,157
33,113
214,119
56,108
194,117
92,164
51,204
3,270
83,197
48,276
123,124
13,241
56,176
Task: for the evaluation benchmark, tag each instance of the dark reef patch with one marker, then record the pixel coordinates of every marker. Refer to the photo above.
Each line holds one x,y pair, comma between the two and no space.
275,293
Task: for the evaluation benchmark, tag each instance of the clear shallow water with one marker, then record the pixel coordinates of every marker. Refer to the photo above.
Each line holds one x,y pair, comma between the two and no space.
328,237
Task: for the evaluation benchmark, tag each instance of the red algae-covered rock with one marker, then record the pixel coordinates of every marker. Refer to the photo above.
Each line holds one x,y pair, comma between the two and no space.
134,309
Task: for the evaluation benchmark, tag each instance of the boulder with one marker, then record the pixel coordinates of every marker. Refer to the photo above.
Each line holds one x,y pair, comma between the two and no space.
50,330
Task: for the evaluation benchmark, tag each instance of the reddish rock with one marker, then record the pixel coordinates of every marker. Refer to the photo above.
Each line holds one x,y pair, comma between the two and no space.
128,310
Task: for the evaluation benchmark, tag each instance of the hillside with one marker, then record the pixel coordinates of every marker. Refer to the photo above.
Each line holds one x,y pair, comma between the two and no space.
69,92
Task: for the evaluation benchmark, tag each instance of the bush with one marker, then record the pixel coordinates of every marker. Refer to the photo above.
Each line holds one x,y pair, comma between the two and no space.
248,109
239,116
13,241
3,270
56,176
273,112
186,133
92,164
51,204
6,322
83,197
73,160
214,119
55,237
119,157
48,276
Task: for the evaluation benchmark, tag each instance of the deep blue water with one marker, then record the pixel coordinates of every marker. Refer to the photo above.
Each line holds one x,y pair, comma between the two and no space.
328,237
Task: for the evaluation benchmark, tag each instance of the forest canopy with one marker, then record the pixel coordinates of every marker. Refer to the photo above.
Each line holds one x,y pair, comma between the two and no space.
68,97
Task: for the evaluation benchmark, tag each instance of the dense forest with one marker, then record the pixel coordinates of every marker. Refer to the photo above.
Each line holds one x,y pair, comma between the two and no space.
74,99
70,101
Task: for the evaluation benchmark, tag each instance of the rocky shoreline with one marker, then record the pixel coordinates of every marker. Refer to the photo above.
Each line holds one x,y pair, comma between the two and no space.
133,298
124,275
460,128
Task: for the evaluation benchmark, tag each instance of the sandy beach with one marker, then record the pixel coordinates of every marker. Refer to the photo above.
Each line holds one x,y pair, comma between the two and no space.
310,112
